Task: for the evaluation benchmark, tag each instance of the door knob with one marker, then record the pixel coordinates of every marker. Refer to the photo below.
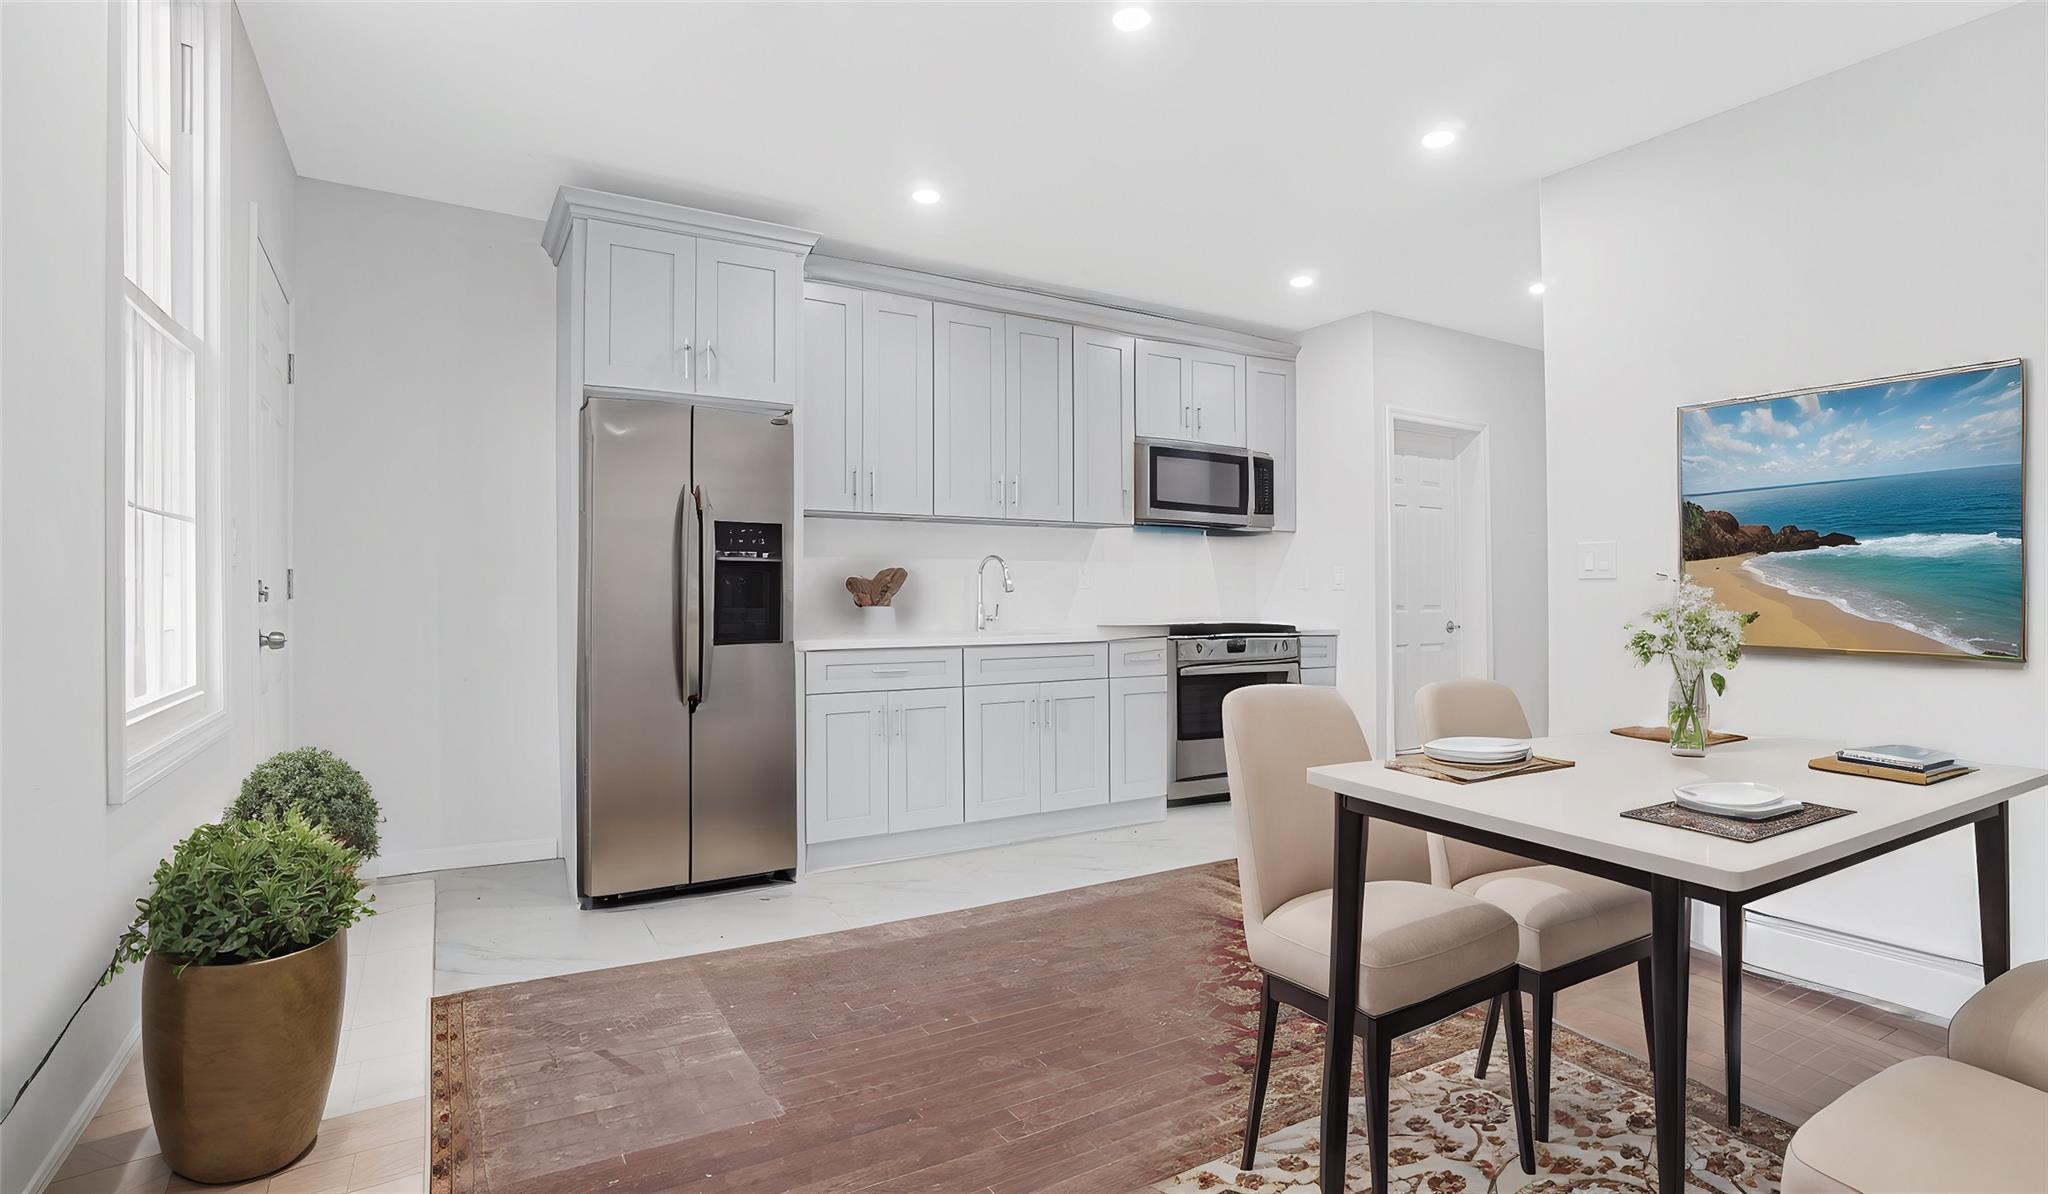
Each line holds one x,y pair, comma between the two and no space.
1450,628
274,640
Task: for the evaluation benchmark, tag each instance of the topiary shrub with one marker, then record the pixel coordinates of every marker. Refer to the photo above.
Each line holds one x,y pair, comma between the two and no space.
334,795
243,891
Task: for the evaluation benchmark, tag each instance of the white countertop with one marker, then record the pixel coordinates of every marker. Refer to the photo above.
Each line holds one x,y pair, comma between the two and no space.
1579,808
994,638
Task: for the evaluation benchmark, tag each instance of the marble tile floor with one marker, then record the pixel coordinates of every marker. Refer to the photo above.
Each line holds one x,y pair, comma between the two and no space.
512,923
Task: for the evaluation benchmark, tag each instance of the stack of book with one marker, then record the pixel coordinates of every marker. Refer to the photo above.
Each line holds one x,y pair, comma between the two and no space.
1909,760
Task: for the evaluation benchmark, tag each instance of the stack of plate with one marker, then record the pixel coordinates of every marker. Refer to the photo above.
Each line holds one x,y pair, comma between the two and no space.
1750,802
1477,752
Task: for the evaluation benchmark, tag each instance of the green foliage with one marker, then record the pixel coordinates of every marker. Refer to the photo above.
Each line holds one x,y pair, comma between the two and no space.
333,795
243,891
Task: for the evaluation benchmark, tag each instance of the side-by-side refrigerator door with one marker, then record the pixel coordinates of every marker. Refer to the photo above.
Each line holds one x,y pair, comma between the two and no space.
638,557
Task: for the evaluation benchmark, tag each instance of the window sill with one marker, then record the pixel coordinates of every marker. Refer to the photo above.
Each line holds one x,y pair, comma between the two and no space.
167,755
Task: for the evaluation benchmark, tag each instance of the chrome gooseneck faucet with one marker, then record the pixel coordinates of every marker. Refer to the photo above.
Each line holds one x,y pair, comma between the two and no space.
982,614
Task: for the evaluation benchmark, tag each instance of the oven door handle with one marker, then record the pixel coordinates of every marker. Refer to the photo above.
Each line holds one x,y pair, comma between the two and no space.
1289,666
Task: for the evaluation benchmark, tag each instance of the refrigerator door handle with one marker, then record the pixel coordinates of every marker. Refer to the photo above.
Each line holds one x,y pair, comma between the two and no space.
707,596
682,583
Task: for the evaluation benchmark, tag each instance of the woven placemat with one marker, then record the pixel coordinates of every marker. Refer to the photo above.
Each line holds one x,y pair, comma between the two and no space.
1663,734
1460,773
1735,828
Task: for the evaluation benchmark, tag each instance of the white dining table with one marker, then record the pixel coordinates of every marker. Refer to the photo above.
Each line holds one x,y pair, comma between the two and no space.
1572,817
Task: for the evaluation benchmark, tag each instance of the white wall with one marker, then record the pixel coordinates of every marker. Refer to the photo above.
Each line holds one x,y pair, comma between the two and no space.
71,866
1349,374
1884,219
424,520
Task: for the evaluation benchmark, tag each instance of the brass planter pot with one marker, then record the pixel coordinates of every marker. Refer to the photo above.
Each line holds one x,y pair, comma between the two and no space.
238,1058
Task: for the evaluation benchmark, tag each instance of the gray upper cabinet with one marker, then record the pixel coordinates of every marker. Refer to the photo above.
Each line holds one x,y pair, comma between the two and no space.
1105,397
896,404
1217,393
1164,407
1269,403
830,406
1039,423
639,308
1191,393
746,322
969,470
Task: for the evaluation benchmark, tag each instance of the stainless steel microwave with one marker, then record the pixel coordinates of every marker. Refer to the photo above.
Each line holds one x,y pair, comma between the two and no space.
1178,483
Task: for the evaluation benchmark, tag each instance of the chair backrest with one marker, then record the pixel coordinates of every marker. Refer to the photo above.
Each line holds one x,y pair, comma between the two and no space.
2004,1026
1272,735
1454,709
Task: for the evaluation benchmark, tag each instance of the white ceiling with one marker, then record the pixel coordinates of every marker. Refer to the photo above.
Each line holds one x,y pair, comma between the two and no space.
1192,167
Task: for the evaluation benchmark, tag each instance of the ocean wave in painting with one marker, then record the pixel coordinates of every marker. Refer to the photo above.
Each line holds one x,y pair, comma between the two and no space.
1957,588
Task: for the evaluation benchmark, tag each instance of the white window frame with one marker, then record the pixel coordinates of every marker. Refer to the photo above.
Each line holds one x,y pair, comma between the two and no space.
151,740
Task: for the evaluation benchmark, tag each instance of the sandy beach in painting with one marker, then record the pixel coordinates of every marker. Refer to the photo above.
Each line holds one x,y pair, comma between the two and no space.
1789,620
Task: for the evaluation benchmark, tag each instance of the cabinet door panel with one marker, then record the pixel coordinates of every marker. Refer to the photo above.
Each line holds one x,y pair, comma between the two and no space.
1105,398
829,407
1321,677
925,770
746,321
967,412
846,766
1002,751
1074,743
1216,388
1269,407
639,308
1039,367
1140,738
1164,405
896,404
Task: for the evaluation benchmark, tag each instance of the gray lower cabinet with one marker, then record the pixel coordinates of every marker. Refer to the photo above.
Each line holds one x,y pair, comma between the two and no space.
881,762
1035,748
1140,737
1320,677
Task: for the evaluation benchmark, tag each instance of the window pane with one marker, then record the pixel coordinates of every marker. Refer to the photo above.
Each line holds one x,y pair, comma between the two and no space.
162,557
162,416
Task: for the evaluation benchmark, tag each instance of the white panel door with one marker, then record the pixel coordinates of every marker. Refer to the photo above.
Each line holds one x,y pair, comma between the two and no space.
639,308
1165,408
1140,738
1073,743
829,407
896,404
1269,406
1039,372
846,766
967,412
925,776
1002,752
270,438
746,321
1425,580
1105,398
1216,391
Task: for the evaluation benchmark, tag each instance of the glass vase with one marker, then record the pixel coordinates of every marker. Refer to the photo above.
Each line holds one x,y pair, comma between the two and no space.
1687,713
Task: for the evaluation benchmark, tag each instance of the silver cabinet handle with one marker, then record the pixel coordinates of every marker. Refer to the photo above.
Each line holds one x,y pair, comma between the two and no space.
686,360
1198,418
880,716
871,489
888,671
273,641
710,362
999,489
1014,490
853,483
900,715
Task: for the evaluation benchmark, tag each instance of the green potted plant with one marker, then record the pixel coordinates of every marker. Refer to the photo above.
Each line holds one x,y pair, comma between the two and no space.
244,952
334,795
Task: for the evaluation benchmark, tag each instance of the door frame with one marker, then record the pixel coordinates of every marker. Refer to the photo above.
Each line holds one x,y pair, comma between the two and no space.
261,258
1475,536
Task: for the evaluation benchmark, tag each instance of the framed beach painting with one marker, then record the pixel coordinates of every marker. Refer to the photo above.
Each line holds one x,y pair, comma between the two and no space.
1877,516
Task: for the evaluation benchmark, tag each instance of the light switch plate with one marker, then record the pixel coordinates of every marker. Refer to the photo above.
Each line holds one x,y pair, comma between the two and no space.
1337,577
1596,560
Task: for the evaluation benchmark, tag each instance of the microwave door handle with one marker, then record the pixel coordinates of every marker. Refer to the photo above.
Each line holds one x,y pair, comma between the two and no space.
707,596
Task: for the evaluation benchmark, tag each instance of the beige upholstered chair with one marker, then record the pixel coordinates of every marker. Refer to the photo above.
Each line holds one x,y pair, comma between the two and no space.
1573,926
1426,952
1976,1120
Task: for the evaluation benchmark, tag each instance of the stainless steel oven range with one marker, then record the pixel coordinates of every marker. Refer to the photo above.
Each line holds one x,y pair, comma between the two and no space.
1211,660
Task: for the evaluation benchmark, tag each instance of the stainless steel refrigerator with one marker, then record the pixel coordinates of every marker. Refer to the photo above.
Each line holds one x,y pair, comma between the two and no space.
686,706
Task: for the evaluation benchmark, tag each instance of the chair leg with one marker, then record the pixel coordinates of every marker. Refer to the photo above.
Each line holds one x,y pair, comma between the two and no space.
1649,1017
1731,1006
1546,1003
1379,1065
1518,1082
1269,1021
1486,1038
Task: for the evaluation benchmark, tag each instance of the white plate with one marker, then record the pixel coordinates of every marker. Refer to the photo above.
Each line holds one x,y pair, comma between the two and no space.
1477,750
1762,812
1738,795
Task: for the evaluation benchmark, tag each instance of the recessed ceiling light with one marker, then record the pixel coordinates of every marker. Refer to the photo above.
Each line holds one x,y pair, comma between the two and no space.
1130,20
1438,138
924,195
1302,281
1537,288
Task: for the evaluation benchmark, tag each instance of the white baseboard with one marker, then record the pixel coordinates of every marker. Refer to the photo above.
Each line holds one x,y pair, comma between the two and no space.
448,858
1913,979
46,1172
975,835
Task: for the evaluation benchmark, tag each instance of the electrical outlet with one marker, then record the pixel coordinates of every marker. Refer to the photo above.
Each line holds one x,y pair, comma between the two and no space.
1337,576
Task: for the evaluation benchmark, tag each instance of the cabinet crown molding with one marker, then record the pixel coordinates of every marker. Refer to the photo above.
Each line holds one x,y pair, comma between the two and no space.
576,203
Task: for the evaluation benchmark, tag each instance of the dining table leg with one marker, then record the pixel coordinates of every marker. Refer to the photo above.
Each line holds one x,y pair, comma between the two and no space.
1670,939
1994,890
1347,905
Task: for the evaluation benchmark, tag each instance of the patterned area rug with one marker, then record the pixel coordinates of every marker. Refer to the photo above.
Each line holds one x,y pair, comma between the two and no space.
1088,1041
